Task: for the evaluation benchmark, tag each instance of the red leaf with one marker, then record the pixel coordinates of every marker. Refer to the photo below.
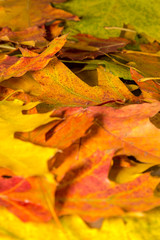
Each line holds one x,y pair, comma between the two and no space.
24,198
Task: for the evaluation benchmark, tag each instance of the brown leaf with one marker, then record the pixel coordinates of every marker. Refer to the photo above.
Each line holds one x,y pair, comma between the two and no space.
55,29
147,63
32,36
91,47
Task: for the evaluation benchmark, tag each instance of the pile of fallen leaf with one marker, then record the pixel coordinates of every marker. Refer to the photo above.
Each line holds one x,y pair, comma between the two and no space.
79,121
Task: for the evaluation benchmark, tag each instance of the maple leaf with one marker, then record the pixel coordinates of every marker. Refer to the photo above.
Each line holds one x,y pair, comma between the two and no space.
23,197
22,157
87,190
60,134
12,67
30,14
58,85
126,129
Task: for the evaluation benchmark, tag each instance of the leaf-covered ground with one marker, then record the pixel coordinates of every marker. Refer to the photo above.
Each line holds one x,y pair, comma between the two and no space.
79,120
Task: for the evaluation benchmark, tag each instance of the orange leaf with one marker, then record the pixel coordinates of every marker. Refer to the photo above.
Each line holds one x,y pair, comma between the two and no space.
24,198
56,84
60,134
30,14
147,63
150,88
30,36
86,189
88,192
128,130
12,67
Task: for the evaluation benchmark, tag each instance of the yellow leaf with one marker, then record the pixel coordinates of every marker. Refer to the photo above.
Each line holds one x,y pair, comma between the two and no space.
24,158
142,227
56,84
19,15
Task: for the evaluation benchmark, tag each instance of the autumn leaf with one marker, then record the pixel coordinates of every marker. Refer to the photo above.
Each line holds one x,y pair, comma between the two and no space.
127,130
136,59
33,14
116,68
12,150
58,85
150,88
79,120
127,228
56,28
33,36
91,47
60,134
24,198
124,131
33,63
88,192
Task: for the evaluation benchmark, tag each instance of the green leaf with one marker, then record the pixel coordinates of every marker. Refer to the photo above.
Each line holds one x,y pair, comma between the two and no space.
97,14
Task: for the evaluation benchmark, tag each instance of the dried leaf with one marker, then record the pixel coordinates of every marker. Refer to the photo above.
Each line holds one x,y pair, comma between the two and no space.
55,29
137,59
24,14
150,89
87,191
61,87
32,36
91,47
17,68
